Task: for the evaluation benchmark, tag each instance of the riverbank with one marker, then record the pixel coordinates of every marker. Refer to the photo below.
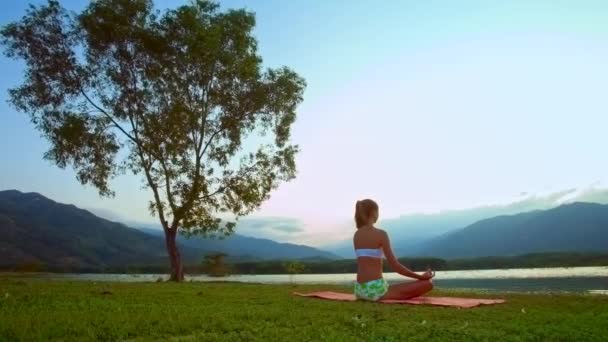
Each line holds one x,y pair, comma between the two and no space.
564,279
328,266
33,309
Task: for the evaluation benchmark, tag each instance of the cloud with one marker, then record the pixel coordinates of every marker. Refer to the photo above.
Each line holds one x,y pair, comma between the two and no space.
595,195
270,227
288,229
293,230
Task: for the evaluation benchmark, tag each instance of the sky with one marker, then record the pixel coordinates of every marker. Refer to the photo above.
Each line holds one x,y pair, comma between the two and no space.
420,105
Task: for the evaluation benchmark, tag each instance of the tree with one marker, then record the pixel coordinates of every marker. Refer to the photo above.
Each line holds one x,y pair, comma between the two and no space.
214,265
175,97
293,268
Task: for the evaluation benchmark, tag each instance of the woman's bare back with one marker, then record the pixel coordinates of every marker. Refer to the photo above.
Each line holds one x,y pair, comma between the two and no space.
368,268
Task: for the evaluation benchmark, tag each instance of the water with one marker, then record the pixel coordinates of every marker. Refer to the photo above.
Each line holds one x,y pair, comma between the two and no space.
569,279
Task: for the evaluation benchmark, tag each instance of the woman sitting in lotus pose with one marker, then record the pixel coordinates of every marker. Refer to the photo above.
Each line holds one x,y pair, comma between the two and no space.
371,244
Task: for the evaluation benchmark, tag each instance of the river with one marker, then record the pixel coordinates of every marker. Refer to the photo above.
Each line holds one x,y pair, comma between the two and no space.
566,279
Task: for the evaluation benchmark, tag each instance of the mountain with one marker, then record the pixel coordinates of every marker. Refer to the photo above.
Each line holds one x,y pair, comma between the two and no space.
35,229
409,232
575,227
245,247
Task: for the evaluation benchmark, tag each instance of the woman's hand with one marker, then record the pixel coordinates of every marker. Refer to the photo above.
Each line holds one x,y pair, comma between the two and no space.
427,275
396,265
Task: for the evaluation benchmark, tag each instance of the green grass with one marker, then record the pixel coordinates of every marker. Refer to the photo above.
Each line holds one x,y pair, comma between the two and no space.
60,310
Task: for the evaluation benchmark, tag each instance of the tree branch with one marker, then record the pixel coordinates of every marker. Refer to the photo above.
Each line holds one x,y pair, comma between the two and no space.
168,188
202,153
147,169
154,187
108,116
219,131
230,182
206,89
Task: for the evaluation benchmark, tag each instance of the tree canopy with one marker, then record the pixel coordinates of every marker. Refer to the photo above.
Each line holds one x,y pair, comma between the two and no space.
171,96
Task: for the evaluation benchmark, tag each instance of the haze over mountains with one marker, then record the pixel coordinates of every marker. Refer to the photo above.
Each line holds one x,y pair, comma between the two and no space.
574,227
34,228
410,233
249,248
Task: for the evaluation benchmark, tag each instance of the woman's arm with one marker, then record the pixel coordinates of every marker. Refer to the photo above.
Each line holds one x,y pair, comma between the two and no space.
394,263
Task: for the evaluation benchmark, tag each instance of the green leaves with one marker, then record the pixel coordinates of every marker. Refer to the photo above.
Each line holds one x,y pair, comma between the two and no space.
178,91
45,40
85,143
294,267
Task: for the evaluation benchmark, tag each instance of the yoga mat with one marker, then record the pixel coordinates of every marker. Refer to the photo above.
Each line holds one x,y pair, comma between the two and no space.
439,301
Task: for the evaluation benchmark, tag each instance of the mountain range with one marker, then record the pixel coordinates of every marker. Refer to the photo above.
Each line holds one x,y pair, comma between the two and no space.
410,233
249,248
35,229
574,227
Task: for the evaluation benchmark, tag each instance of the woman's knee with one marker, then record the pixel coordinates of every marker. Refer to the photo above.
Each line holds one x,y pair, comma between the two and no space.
428,284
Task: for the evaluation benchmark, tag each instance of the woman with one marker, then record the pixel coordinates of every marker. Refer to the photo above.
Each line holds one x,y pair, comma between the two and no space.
370,245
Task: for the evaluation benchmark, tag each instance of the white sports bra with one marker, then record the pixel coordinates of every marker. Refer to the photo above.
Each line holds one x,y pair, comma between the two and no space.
369,252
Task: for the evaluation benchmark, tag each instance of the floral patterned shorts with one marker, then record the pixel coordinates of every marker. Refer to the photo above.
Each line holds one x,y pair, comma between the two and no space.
371,290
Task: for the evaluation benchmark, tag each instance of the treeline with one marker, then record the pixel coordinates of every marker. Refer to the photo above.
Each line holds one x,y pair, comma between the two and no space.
333,266
536,260
421,264
559,259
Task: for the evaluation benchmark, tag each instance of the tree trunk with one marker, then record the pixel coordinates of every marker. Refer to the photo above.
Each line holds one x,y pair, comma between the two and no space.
177,270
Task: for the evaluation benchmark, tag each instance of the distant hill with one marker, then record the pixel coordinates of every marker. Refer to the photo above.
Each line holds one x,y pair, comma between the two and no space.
35,229
575,227
409,232
238,246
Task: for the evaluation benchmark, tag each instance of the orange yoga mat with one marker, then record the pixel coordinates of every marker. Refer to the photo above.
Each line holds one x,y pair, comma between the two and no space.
439,301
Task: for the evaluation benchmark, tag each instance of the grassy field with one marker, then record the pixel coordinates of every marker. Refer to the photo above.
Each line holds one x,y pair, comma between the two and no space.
61,310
